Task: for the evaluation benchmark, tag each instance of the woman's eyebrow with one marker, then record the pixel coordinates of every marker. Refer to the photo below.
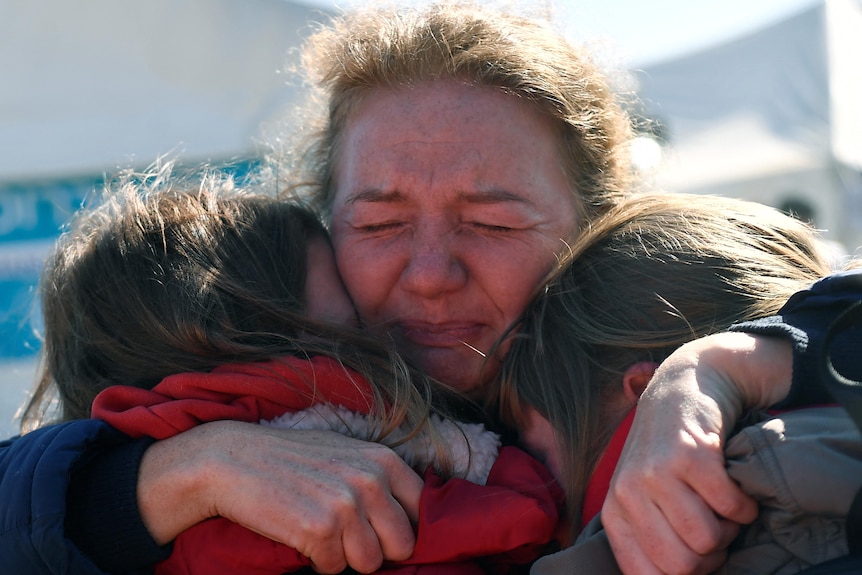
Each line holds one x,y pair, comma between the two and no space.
493,196
376,195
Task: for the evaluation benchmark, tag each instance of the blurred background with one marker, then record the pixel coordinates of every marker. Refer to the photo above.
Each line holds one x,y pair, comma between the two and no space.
760,99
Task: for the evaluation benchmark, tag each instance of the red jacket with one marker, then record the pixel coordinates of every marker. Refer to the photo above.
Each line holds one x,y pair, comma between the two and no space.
509,520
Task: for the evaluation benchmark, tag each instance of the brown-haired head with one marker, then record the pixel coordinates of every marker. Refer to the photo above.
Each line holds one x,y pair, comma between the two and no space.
154,282
655,272
391,48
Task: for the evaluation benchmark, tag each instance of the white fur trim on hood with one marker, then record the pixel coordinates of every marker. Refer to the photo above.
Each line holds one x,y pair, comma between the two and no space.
472,448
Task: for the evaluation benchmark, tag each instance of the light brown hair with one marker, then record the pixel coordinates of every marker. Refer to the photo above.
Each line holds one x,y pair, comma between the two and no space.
654,273
387,48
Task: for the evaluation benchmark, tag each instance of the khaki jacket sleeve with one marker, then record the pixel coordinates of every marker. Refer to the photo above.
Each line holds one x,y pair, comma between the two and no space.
590,555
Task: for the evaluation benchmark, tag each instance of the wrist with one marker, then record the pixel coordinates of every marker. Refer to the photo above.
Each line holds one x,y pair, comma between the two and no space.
755,370
692,383
172,486
713,381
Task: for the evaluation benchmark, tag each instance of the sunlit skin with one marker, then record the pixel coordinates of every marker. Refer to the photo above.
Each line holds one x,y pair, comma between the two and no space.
450,205
326,298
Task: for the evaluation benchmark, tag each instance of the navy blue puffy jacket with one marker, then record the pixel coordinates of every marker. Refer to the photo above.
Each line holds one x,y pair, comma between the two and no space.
34,477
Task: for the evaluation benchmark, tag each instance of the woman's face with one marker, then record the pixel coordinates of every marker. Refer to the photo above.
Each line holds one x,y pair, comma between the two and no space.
450,205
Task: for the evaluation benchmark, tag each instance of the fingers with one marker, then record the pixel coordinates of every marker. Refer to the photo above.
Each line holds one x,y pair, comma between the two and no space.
672,507
664,513
336,500
661,550
370,527
624,541
664,518
721,494
393,517
384,530
652,550
694,505
356,546
406,487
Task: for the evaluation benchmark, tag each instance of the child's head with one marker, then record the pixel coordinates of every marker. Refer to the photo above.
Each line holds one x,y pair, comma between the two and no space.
155,281
654,273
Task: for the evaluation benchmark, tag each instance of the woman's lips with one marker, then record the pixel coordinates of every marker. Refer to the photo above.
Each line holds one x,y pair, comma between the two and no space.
439,335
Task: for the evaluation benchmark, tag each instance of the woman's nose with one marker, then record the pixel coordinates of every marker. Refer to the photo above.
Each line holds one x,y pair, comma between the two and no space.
433,268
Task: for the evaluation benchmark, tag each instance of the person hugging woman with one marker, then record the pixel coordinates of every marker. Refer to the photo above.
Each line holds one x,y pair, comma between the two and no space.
657,272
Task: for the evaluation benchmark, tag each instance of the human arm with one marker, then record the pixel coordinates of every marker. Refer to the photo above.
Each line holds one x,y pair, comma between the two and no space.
37,470
452,512
335,499
97,529
452,526
672,507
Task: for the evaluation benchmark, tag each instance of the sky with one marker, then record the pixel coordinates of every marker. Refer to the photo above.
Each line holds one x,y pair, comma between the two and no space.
639,32
646,31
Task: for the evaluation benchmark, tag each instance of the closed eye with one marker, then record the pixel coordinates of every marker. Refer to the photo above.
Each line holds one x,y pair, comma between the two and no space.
381,227
492,227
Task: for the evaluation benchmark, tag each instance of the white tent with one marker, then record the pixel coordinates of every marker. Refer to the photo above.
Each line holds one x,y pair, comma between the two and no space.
90,86
775,116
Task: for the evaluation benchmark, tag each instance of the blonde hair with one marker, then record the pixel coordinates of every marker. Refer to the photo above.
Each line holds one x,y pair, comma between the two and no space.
401,47
161,277
655,272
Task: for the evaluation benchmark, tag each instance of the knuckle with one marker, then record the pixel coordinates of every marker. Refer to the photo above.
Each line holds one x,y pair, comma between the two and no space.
367,481
380,453
704,540
627,489
343,506
362,484
321,527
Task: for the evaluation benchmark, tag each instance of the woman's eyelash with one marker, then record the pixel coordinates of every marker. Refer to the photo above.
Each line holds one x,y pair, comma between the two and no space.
492,227
379,227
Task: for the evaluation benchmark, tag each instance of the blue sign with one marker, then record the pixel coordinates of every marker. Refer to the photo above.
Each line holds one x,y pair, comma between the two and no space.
32,216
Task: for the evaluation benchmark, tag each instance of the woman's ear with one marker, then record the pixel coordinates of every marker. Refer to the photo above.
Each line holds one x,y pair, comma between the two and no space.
636,378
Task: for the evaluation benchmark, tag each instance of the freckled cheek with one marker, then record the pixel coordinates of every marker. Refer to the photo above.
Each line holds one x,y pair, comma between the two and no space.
368,277
511,276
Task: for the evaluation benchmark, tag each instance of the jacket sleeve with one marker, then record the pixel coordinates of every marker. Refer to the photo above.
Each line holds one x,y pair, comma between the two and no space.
454,526
804,467
805,320
590,554
102,514
460,520
34,479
